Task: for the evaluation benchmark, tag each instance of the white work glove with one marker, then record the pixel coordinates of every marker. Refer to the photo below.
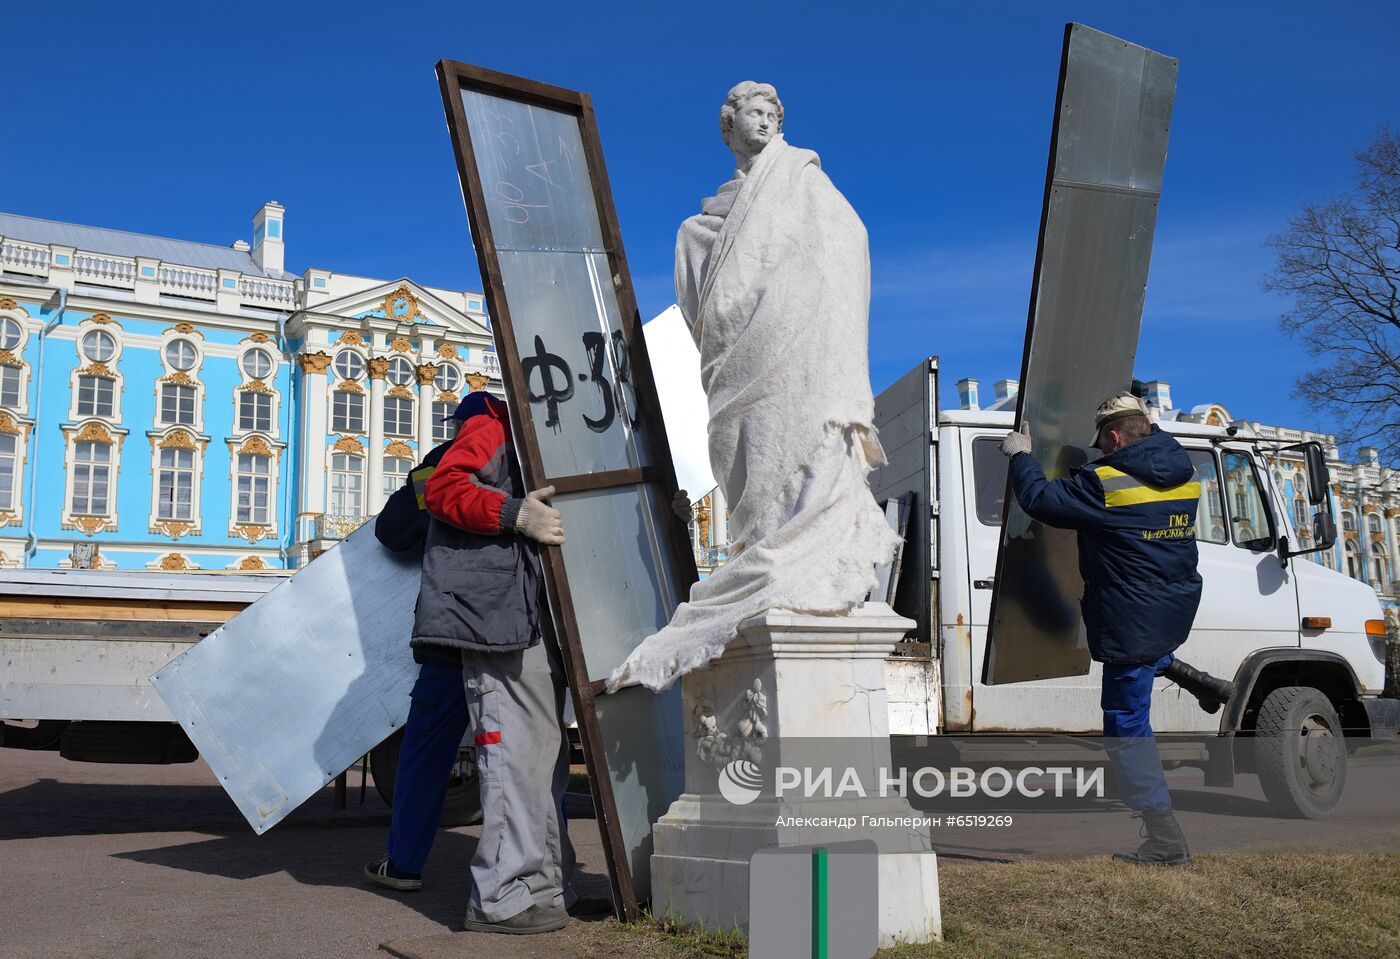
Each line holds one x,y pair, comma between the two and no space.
540,521
1017,442
680,505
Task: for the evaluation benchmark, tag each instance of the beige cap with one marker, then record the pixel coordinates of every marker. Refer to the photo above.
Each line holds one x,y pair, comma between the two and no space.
1116,408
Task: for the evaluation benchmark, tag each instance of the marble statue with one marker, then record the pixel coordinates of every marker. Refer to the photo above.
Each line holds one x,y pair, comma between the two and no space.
773,279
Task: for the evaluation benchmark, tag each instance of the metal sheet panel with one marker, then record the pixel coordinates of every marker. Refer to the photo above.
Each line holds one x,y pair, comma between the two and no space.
587,421
905,415
299,685
1107,155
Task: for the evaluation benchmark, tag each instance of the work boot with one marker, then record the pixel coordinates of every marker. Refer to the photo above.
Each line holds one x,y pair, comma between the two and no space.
382,871
1165,845
533,920
1210,692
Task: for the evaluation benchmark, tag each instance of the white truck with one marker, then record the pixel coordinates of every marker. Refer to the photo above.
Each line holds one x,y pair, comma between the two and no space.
1304,644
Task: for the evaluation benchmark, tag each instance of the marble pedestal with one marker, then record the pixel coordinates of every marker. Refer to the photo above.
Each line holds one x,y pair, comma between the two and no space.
790,690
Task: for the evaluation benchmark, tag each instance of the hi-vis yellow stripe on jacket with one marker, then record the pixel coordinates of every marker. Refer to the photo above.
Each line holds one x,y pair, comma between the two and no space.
419,479
1120,489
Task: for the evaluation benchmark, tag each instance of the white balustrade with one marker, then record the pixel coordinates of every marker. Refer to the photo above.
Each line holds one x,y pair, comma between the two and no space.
188,281
276,292
20,257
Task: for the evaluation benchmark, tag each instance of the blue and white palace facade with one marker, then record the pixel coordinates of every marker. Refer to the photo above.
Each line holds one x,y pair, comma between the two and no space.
186,406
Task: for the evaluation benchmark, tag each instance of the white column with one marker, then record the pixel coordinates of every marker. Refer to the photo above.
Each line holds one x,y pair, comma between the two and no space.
313,430
719,518
374,498
426,393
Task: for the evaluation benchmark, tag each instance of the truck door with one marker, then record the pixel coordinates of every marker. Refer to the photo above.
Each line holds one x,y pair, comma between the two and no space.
1248,598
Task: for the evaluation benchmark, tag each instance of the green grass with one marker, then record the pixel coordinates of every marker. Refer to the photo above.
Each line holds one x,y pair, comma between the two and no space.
1221,907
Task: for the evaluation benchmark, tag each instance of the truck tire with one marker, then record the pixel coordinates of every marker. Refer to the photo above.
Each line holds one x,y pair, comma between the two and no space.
461,806
1300,753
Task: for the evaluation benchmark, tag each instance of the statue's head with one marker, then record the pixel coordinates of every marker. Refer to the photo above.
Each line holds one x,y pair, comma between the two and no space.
751,117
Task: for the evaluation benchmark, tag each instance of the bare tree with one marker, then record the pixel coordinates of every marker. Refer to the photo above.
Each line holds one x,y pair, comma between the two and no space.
1340,261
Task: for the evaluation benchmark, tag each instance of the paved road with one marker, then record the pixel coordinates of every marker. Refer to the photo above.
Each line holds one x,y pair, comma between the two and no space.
154,862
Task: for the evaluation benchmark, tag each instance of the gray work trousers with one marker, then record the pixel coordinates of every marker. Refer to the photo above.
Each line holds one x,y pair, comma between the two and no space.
515,702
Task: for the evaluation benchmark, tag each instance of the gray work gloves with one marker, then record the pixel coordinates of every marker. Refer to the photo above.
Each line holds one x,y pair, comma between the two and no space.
1017,442
680,505
540,521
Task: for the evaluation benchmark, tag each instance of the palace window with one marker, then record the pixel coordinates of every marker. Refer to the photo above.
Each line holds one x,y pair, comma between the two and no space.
255,411
176,485
99,346
10,334
349,366
444,427
257,364
96,396
91,478
254,505
447,379
1356,567
177,404
10,379
9,470
1373,523
1379,566
395,473
181,355
348,412
400,371
347,484
1348,519
398,416
1300,513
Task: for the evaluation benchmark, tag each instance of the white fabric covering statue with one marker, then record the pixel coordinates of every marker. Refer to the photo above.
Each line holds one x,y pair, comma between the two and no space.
773,278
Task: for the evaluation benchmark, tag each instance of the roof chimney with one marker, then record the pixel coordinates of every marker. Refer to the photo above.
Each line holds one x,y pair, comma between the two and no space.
267,237
241,246
1005,389
967,394
1159,395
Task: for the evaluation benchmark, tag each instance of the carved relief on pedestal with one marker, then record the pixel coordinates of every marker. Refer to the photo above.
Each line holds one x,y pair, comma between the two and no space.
717,748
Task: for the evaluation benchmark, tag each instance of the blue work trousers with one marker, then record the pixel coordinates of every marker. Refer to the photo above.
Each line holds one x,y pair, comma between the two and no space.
437,721
1127,730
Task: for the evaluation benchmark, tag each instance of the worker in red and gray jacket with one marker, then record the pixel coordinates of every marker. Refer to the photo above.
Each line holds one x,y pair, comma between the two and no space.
480,595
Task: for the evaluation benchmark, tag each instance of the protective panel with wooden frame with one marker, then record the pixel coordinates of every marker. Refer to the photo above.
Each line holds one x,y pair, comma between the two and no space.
1107,154
587,421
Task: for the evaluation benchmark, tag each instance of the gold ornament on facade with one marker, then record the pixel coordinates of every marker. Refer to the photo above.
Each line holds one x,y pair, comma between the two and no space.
476,382
252,562
8,304
702,516
98,369
426,373
448,396
401,305
260,338
378,366
252,532
178,440
447,350
7,423
93,431
397,390
180,378
314,362
9,519
349,386
91,525
399,448
349,338
401,345
174,562
255,446
349,444
99,318
1392,511
174,528
183,327
9,359
256,386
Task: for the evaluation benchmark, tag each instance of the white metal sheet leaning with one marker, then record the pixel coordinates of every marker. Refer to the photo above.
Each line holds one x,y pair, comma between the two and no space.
295,688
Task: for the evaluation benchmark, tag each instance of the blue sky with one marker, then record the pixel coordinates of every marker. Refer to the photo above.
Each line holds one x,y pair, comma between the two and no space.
933,119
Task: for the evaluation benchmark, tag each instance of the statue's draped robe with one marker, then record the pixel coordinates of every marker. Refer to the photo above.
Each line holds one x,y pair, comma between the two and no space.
773,278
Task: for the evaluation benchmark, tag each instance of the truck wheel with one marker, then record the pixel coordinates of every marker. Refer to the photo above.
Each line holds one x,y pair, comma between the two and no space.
1301,756
462,805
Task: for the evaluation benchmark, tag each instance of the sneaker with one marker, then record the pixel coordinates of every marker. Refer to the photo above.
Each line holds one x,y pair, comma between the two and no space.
382,871
533,920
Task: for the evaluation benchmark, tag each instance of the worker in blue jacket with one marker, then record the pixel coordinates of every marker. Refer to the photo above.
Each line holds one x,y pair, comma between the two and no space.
1134,510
